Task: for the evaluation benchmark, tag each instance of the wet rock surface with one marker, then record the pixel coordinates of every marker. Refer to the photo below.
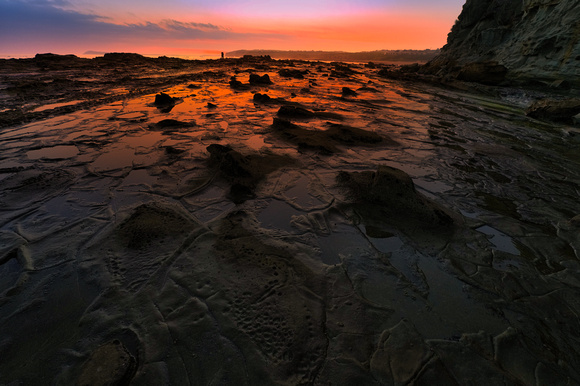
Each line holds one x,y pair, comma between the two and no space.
110,364
411,234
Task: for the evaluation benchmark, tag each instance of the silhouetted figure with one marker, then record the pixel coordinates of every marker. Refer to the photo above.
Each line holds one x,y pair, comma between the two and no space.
222,55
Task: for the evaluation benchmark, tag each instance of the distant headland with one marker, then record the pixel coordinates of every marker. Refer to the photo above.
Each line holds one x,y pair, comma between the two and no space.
365,56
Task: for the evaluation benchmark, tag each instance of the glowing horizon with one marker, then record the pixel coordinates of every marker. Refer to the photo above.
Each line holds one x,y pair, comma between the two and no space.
179,27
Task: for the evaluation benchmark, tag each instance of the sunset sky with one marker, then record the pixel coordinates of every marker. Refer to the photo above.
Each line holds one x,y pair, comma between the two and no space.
198,27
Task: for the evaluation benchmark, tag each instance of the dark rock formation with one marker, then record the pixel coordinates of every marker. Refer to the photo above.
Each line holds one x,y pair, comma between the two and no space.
325,140
535,40
347,91
243,172
261,98
110,364
170,125
342,70
163,99
291,73
394,191
257,80
237,85
295,112
555,110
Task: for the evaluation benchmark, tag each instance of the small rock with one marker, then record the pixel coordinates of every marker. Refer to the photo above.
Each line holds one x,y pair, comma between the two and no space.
262,98
295,112
211,105
170,124
291,73
258,80
163,99
346,91
170,150
109,364
575,221
393,190
236,84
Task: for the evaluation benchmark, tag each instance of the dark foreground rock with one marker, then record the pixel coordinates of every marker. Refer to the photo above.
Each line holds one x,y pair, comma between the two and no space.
325,141
243,172
295,112
163,100
555,110
346,92
257,80
394,190
170,125
237,85
261,98
291,73
110,364
388,199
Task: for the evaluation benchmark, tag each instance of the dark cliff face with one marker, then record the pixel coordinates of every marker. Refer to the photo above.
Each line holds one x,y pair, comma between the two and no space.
535,40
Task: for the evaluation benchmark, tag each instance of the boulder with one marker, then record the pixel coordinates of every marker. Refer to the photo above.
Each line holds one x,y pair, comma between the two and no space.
243,172
170,125
393,190
295,112
291,73
257,80
109,364
237,85
563,111
261,98
346,92
163,100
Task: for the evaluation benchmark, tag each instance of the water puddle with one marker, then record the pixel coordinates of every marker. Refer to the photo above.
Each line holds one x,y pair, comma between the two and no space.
114,159
300,194
55,105
277,215
344,241
136,116
54,152
387,245
501,241
433,186
147,139
139,177
256,142
451,300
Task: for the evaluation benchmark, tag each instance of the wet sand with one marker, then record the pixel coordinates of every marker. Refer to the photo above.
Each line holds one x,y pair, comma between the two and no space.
399,233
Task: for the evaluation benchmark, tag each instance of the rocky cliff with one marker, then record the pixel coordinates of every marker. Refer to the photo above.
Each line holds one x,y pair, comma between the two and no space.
527,41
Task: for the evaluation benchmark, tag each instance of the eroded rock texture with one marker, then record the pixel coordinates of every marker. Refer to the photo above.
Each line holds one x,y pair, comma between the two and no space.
536,40
408,234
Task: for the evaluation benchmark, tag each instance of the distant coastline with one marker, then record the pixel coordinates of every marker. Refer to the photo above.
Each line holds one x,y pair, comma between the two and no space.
404,56
386,56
